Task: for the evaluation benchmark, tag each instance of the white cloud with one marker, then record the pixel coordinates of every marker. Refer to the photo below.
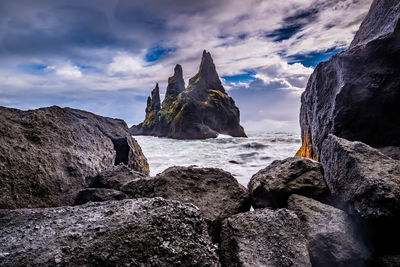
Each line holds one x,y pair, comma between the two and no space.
67,71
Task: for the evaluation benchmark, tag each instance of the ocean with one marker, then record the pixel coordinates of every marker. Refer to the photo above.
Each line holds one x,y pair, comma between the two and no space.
242,157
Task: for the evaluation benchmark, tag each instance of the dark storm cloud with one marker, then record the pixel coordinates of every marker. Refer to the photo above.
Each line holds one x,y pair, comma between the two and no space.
57,30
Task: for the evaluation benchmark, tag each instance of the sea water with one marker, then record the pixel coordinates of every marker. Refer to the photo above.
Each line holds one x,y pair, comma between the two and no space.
242,157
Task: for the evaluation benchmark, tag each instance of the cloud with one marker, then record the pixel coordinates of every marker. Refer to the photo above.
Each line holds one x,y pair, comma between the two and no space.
67,71
264,50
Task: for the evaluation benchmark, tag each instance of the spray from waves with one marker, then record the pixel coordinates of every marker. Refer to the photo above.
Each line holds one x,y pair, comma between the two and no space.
242,157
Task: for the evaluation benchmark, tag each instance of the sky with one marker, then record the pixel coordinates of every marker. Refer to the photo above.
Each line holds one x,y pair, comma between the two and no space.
105,56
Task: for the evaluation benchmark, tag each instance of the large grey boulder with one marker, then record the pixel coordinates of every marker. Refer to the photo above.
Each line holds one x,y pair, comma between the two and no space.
264,238
361,176
271,187
333,239
215,192
355,95
46,154
140,232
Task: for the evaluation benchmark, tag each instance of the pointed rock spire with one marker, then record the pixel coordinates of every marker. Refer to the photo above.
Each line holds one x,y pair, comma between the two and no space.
153,102
207,77
176,84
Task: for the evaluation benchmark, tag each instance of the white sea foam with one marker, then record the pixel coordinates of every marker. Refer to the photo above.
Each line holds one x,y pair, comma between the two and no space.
242,157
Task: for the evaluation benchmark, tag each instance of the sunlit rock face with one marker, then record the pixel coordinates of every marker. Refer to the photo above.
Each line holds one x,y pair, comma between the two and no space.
202,110
356,94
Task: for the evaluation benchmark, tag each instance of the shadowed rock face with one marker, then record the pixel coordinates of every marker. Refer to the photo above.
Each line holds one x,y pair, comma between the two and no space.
361,176
356,95
202,110
46,154
264,238
332,236
140,232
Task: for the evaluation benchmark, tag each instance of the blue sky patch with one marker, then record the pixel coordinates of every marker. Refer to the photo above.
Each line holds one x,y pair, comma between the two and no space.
246,76
284,33
312,59
157,52
32,68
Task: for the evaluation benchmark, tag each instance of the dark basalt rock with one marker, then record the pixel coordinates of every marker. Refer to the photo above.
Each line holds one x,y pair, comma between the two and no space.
216,192
355,95
333,239
202,110
391,151
114,177
264,238
140,232
46,154
361,176
271,187
98,195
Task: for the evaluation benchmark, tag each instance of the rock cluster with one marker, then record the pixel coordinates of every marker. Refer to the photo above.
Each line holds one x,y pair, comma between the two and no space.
46,154
139,232
215,192
202,110
355,95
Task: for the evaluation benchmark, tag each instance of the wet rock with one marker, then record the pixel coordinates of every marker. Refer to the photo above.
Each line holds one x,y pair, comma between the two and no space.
114,177
355,94
140,232
264,238
333,239
98,195
361,176
216,192
271,187
46,154
202,110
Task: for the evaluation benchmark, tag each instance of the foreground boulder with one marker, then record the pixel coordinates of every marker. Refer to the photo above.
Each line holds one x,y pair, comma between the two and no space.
271,187
114,177
264,238
141,232
202,110
355,95
98,195
46,154
332,236
216,192
361,176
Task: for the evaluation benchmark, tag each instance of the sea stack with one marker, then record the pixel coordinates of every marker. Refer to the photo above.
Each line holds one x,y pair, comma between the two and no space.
355,95
202,110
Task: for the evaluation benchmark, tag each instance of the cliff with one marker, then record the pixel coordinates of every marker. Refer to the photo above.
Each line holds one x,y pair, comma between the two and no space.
355,95
202,110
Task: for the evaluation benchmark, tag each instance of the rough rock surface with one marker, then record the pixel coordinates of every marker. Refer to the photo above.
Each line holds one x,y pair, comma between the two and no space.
355,95
332,236
202,110
140,232
46,154
391,151
98,195
264,238
363,177
271,187
216,192
114,177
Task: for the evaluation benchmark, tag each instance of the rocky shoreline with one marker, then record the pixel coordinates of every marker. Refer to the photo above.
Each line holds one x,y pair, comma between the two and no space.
75,189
